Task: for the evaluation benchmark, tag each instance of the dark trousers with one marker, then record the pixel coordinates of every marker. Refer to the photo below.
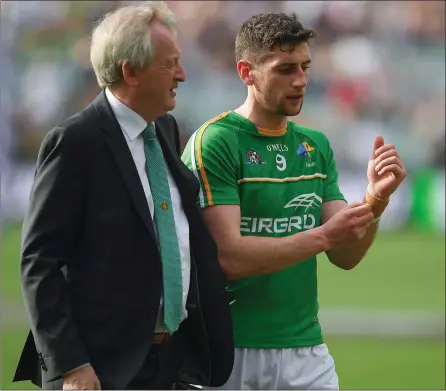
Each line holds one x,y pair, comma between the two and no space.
161,367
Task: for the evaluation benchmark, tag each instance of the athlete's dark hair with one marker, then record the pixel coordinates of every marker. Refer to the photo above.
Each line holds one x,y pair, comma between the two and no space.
263,32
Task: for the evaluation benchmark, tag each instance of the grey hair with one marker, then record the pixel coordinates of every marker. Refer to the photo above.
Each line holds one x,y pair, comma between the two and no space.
123,35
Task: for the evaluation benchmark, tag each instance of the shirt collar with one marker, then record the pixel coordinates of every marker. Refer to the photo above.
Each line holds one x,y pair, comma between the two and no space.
131,123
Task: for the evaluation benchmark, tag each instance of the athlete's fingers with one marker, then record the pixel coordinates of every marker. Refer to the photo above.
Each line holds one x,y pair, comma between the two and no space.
388,162
364,220
359,209
354,205
383,149
385,155
397,172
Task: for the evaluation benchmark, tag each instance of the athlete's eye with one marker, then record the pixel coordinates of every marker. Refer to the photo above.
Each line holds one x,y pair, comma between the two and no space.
287,70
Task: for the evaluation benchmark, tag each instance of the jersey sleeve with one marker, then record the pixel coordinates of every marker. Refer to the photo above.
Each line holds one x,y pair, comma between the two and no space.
211,154
331,187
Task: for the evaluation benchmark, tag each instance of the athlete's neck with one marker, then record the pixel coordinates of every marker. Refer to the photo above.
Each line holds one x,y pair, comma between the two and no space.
260,118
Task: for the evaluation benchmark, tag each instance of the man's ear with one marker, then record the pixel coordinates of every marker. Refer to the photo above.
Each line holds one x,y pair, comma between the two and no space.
245,71
129,74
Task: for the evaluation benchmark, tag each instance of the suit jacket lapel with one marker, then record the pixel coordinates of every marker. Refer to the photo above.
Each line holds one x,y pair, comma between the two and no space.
124,160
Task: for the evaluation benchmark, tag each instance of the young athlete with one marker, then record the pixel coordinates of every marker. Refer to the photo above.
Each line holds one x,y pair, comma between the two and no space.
270,196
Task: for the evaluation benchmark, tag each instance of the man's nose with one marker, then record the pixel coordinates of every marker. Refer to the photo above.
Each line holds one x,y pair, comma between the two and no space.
300,80
180,74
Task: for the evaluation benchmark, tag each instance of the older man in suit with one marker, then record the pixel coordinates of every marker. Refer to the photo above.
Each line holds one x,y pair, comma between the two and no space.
119,274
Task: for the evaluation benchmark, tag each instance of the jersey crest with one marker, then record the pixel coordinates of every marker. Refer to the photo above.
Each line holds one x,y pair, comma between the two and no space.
253,157
305,150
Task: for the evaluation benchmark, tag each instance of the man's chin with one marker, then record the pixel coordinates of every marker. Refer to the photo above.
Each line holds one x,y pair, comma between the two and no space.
170,105
291,112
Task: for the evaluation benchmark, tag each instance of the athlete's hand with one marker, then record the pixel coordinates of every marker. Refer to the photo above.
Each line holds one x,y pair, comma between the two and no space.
386,170
348,225
83,378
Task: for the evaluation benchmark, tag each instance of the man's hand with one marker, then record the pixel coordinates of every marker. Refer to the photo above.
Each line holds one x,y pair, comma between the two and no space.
385,171
348,225
83,378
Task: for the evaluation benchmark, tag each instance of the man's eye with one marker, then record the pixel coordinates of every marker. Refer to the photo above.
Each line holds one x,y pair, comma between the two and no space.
286,70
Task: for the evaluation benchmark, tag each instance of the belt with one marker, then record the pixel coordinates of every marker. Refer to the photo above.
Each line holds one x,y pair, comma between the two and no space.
159,338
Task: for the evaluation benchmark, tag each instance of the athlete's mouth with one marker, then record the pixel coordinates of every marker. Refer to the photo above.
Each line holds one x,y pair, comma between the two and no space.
295,97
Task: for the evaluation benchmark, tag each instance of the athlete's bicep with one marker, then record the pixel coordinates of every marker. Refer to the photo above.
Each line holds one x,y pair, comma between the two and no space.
212,158
330,208
223,221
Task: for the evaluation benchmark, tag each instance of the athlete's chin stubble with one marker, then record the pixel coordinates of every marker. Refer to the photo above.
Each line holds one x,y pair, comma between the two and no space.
289,113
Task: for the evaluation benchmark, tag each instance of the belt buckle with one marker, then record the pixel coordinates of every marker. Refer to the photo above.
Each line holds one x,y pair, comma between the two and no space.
160,338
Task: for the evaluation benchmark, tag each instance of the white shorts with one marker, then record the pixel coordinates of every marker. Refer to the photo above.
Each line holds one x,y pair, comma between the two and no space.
307,368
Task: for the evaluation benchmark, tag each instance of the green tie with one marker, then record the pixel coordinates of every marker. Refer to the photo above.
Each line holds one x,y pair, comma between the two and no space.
165,226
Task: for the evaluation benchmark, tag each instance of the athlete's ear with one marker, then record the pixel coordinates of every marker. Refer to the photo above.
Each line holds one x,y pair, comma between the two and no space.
245,70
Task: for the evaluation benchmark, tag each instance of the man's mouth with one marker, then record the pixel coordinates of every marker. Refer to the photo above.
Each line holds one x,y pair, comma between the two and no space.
295,98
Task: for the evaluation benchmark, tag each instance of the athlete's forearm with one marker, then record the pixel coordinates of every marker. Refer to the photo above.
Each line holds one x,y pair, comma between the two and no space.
348,257
252,255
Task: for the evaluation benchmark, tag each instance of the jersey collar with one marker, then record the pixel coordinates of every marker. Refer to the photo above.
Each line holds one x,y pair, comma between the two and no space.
251,128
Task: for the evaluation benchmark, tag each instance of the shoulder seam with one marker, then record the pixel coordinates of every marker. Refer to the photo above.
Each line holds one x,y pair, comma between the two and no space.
203,127
201,169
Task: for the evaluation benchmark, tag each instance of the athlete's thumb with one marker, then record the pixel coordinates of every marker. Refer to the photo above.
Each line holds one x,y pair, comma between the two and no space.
379,142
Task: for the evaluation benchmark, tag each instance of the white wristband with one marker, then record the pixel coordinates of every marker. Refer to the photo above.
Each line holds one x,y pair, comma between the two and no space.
376,219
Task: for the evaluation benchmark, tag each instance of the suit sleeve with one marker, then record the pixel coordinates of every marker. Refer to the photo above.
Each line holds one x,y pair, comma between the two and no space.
212,156
50,227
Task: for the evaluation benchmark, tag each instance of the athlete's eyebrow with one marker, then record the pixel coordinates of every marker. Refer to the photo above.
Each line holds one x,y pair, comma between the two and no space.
291,63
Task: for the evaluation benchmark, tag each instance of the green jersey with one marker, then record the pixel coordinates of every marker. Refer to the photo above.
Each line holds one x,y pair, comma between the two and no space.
280,180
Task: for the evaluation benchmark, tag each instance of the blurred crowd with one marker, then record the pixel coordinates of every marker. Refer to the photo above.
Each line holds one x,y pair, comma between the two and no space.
378,68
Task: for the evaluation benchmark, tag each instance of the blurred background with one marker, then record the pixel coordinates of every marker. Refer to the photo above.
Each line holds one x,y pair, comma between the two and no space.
378,69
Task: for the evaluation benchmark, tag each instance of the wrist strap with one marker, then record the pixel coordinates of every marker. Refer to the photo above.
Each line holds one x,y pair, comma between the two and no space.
373,194
377,203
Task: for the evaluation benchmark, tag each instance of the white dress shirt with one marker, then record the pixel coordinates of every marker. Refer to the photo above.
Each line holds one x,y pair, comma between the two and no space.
132,125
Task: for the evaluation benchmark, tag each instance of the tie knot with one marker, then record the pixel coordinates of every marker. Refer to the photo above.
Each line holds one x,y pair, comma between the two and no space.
149,132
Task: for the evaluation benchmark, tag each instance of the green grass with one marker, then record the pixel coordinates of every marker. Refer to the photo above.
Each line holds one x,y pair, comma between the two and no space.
12,342
360,363
376,364
402,271
10,269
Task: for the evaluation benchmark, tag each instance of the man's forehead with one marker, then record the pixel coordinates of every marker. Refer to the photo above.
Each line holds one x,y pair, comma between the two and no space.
165,40
288,54
161,34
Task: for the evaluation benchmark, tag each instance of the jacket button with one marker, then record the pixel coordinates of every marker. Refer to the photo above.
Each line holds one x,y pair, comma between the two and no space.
42,362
